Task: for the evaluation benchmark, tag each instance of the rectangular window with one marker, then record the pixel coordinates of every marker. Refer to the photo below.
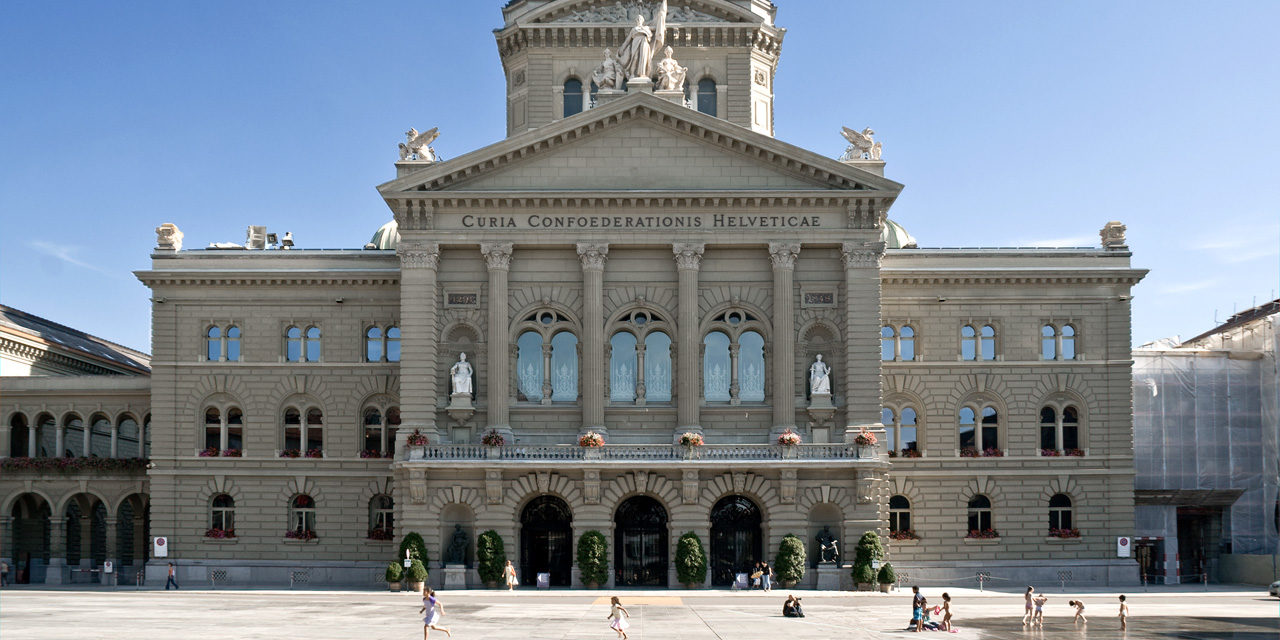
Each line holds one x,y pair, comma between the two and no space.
968,439
908,438
1048,437
212,436
292,437
1070,437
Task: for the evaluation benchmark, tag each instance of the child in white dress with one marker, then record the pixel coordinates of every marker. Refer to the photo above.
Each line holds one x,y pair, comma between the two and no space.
429,605
618,614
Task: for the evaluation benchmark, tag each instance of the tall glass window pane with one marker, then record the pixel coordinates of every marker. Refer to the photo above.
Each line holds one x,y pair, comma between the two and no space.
235,429
988,343
292,429
1048,428
968,343
393,344
908,343
233,344
127,445
529,366
313,344
373,345
315,430
707,96
564,367
990,428
373,430
1048,343
968,438
212,429
393,425
1068,342
572,97
751,367
214,344
886,344
907,432
73,437
886,419
1070,428
622,367
293,345
715,367
657,367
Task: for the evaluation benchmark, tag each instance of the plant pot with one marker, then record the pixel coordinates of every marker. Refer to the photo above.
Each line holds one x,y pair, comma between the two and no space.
689,453
790,452
393,586
416,587
491,584
866,451
593,453
787,584
417,453
692,585
866,586
492,453
592,585
884,588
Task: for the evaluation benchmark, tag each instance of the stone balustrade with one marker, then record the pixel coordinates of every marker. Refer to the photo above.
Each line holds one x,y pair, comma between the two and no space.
646,453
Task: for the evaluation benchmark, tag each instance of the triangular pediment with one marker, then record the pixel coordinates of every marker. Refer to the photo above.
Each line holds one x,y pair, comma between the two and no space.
640,143
623,11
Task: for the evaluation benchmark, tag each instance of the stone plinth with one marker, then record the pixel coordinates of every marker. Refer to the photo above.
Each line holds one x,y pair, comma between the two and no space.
455,576
605,96
640,84
828,577
671,95
460,407
874,166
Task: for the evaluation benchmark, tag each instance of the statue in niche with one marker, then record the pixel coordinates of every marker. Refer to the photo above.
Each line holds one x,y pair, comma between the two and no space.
670,74
861,145
460,374
457,551
828,546
610,74
417,147
636,52
819,377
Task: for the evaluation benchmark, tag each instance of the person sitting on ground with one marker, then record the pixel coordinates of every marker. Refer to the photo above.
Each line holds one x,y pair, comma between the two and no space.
791,608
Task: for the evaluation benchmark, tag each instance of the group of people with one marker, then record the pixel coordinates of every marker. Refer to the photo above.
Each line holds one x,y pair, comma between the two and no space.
762,576
1033,615
922,619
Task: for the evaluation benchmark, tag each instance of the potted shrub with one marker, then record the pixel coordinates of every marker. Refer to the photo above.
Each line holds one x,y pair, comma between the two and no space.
691,561
789,440
886,577
492,442
866,442
417,443
592,445
790,562
868,550
417,575
690,441
412,546
864,576
491,558
593,559
394,573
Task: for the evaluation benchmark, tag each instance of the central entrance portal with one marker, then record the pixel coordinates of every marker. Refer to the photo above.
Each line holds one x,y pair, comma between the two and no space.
546,540
735,538
640,543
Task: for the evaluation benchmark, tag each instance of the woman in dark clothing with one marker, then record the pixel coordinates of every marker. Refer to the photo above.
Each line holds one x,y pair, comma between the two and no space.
791,608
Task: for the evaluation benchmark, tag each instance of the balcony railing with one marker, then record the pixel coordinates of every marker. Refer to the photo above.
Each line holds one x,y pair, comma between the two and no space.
645,452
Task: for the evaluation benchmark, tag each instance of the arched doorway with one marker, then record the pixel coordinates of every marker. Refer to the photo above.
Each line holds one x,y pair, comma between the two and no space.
736,541
31,515
546,541
640,543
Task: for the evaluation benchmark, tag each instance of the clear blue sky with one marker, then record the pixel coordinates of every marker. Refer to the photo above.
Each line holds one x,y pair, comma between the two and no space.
1011,123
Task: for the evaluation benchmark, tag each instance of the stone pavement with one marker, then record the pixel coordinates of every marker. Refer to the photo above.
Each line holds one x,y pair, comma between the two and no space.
1238,613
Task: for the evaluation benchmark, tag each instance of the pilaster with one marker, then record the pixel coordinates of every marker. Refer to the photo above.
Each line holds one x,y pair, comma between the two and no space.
4,443
593,256
6,544
419,311
688,256
862,334
783,255
497,257
57,550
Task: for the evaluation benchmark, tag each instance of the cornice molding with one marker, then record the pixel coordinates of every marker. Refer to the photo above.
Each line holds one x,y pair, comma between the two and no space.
973,277
33,354
387,278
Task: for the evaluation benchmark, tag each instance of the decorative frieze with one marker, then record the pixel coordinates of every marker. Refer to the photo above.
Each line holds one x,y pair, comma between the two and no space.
418,486
787,487
862,255
591,486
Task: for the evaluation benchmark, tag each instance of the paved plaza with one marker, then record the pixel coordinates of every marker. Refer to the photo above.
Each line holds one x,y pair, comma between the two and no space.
1237,613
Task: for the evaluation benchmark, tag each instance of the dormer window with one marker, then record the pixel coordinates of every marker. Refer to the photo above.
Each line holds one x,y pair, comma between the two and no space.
707,96
572,97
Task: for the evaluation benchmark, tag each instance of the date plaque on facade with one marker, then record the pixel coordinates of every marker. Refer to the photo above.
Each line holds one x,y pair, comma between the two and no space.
461,299
818,298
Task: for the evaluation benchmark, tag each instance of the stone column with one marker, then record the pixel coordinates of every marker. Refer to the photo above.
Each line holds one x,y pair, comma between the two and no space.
33,445
112,556
497,256
57,550
6,545
593,257
783,255
688,341
5,439
419,365
60,436
862,335
115,438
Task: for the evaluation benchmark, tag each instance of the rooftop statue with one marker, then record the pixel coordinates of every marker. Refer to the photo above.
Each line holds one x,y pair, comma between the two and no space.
636,52
670,74
610,74
417,146
861,145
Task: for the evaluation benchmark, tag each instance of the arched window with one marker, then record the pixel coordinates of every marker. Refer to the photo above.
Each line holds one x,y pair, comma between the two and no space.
900,432
222,514
47,437
715,367
640,359
547,359
622,367
572,97
907,343
980,517
1057,342
223,431
1068,337
751,367
146,436
657,367
233,344
20,440
979,437
393,344
99,437
707,96
311,353
1060,430
373,345
1060,514
380,345
977,343
888,343
293,345
213,344
899,514
213,430
303,438
302,517
897,343
380,425
128,438
734,348
1048,342
73,436
381,517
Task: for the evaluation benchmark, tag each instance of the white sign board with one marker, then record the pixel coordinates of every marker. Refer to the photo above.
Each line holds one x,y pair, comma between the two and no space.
544,581
408,563
161,547
740,581
1123,546
107,567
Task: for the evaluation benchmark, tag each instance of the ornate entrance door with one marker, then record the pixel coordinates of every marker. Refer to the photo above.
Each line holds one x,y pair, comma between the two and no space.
735,538
640,543
546,541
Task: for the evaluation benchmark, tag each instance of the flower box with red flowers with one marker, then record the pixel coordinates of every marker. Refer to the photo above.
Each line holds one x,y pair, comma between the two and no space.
72,465
1064,533
217,533
691,439
591,439
789,438
232,453
416,439
294,534
905,534
992,452
370,453
209,452
493,439
911,453
380,534
1050,453
968,452
865,439
1075,453
985,534
290,453
315,453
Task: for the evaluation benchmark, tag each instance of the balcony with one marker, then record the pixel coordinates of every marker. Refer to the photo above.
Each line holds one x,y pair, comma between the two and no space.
623,455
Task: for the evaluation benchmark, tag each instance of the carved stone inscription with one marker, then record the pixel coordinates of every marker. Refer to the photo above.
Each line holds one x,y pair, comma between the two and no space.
642,222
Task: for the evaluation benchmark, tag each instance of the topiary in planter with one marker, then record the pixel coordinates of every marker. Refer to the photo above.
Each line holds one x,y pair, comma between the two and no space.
790,562
887,574
691,560
394,572
415,545
864,574
491,557
593,558
867,550
417,572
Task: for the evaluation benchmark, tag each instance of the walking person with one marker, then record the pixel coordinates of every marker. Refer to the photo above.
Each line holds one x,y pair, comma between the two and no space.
434,610
618,615
172,578
920,613
766,577
509,574
1079,611
946,612
1027,615
1124,614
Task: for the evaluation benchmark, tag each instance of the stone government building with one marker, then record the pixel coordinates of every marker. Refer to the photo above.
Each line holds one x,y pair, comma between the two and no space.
636,259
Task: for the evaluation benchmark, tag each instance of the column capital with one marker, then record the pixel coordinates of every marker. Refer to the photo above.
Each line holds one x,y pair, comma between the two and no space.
688,255
784,254
497,255
862,254
419,255
593,255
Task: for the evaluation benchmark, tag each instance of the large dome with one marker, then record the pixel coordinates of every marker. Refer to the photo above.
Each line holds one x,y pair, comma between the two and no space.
386,237
896,237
